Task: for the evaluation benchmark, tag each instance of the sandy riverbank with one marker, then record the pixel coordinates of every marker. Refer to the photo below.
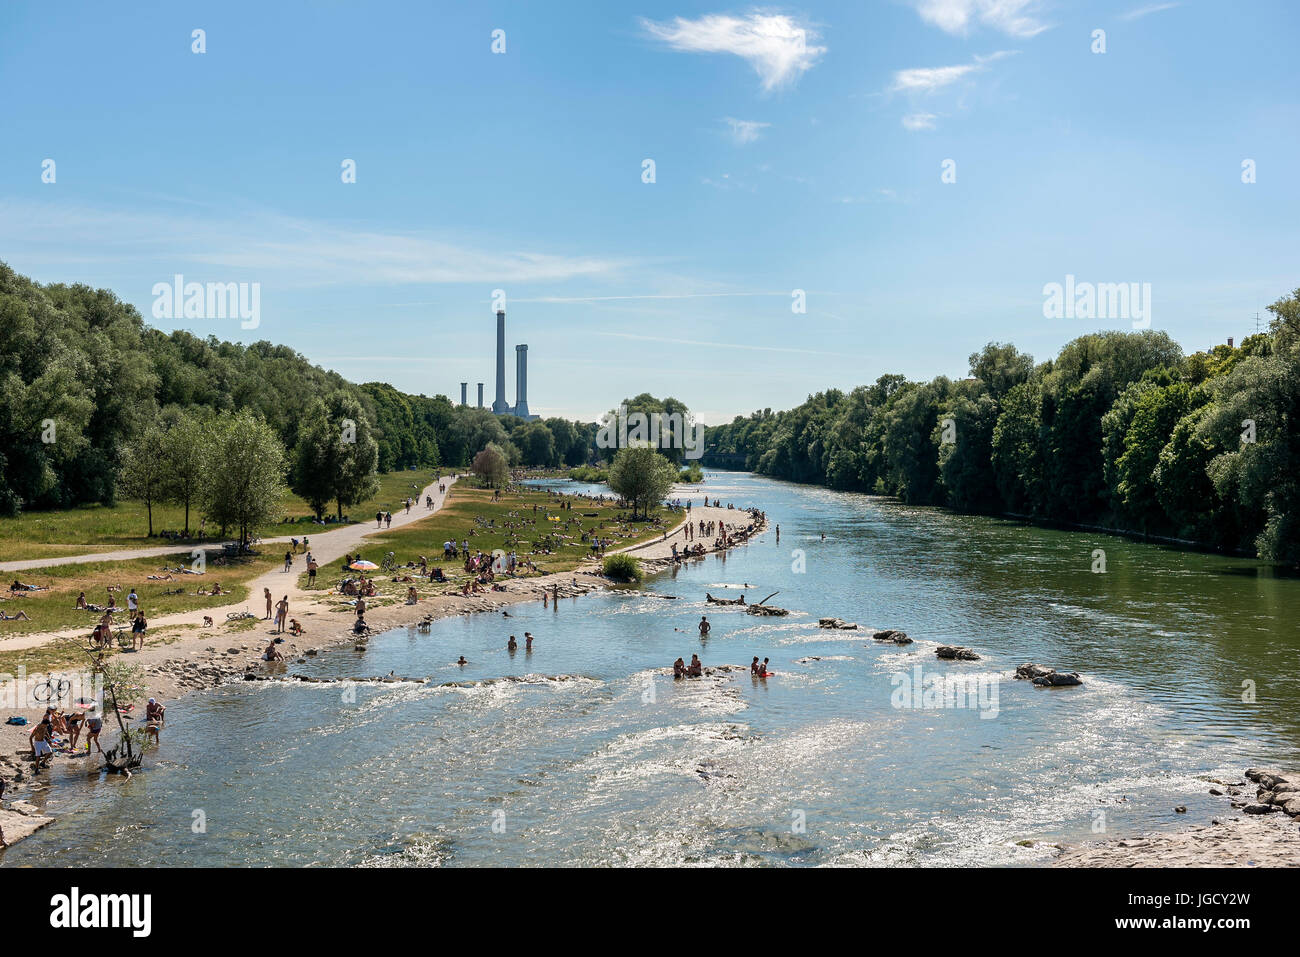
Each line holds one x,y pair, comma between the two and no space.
196,658
1235,838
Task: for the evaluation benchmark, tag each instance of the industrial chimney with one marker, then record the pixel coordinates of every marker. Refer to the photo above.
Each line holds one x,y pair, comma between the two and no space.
464,400
521,381
480,395
499,405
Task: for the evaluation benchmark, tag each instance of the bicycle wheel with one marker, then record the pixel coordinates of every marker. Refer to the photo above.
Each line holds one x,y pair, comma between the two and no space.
46,687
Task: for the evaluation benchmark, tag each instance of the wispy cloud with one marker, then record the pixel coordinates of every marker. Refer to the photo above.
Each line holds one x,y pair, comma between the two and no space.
721,345
930,79
919,121
1140,12
299,252
778,47
744,131
1017,18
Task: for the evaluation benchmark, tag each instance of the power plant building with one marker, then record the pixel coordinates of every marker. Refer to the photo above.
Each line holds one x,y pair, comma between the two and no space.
499,404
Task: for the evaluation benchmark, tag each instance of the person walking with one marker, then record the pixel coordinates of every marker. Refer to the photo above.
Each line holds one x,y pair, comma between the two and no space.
288,560
138,628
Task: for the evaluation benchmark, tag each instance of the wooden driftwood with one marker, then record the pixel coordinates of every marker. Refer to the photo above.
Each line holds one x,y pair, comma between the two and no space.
723,601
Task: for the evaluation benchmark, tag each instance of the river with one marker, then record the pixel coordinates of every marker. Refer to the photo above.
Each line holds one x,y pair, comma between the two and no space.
590,756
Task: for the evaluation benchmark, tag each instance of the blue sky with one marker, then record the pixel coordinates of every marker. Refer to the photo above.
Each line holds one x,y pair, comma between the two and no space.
795,147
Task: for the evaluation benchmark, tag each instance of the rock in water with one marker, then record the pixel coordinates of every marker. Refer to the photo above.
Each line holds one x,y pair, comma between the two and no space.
894,635
955,653
837,623
1048,677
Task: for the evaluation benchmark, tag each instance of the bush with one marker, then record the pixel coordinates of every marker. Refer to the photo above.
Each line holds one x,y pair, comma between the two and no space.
623,568
692,474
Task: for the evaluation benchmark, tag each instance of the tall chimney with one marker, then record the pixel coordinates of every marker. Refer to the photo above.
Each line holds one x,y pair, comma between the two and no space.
521,381
464,400
499,405
480,395
1229,342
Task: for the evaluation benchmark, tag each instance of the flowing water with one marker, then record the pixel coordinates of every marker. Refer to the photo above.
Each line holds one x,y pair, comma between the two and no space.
585,752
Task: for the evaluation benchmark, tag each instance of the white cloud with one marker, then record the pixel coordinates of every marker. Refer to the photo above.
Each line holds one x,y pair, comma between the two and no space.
1017,18
929,79
745,131
777,46
264,244
919,121
1139,12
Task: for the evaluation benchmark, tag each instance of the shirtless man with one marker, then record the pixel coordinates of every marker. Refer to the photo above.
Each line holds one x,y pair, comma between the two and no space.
39,739
155,716
705,627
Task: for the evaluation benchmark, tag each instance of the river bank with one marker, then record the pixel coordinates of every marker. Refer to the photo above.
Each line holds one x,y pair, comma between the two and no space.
204,659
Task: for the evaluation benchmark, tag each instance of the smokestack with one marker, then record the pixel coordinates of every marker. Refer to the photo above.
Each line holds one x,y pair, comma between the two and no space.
521,381
1229,342
480,395
464,400
499,405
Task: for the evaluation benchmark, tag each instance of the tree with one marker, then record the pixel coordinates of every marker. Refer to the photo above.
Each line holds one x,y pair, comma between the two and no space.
184,450
536,443
244,473
491,467
144,470
355,454
642,476
311,476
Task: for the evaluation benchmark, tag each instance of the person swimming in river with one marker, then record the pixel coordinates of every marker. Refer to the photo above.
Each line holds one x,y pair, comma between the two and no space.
462,661
528,641
512,645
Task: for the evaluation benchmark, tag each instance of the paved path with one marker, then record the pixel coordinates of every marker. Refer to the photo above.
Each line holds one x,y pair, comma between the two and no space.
325,548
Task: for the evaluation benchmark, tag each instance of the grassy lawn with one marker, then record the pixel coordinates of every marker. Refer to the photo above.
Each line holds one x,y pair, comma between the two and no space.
510,524
91,528
55,609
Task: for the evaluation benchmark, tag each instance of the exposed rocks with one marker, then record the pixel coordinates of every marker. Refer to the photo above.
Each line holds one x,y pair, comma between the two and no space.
894,635
955,653
20,820
837,623
1048,677
1277,792
769,610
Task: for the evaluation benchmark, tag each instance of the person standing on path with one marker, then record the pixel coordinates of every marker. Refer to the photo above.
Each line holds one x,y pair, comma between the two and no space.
138,628
266,593
311,573
379,519
281,612
388,520
288,560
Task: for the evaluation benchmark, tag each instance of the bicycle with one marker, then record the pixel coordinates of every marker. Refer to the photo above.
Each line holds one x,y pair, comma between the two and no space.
54,691
389,564
239,615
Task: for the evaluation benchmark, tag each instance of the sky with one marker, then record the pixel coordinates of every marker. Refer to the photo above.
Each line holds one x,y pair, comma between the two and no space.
915,171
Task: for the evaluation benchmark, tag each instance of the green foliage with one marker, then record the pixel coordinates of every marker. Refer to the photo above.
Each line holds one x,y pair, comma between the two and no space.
621,568
244,473
591,474
491,466
642,476
692,474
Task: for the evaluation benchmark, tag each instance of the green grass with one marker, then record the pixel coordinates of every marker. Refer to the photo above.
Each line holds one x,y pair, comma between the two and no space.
622,568
91,528
533,537
55,610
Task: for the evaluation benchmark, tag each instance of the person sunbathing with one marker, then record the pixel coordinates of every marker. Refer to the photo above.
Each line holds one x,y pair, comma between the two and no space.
21,586
81,601
216,589
21,616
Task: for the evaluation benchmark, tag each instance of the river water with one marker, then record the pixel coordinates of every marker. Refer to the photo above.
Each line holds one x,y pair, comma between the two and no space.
584,753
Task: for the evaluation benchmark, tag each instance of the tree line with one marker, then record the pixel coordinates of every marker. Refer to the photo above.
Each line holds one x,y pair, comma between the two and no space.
92,396
1120,429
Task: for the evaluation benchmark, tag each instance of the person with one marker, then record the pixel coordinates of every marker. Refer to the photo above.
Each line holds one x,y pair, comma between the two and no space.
39,739
679,669
528,641
288,560
281,612
778,534
762,669
266,593
512,645
361,608
132,603
94,725
697,667
75,720
462,661
379,519
388,520
154,717
412,596
271,654
705,627
753,666
81,600
138,628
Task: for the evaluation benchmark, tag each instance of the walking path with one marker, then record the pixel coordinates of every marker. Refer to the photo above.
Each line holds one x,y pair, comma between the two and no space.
325,548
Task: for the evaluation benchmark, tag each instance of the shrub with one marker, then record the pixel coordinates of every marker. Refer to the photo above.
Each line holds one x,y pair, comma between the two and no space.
623,568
